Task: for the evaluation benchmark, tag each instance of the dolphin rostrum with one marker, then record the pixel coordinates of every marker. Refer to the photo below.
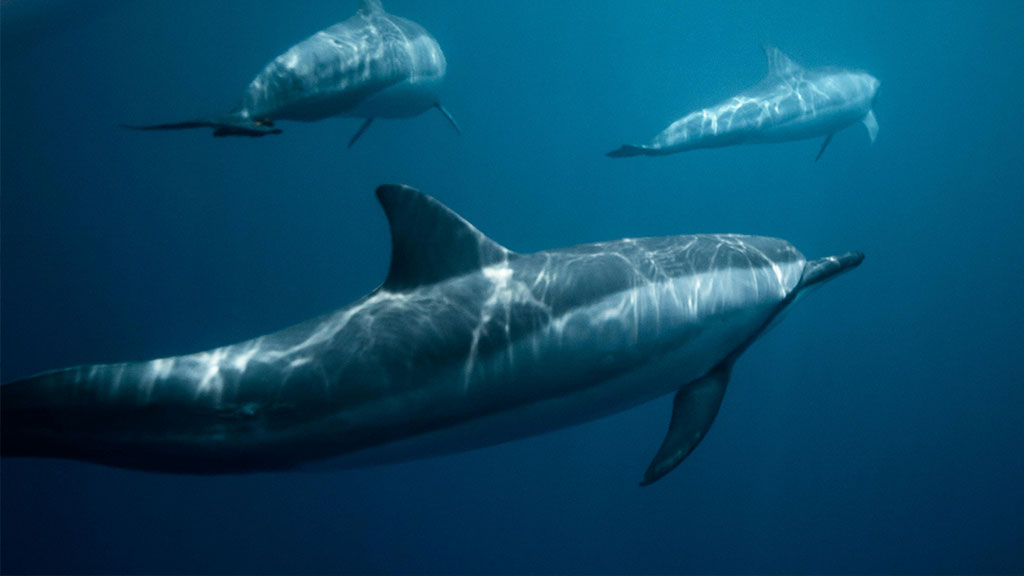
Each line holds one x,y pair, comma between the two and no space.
373,65
464,345
790,103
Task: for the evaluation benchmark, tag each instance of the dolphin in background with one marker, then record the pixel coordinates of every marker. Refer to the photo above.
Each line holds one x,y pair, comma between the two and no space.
464,345
790,103
373,65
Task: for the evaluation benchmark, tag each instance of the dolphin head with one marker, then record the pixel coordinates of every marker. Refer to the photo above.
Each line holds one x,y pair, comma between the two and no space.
426,58
856,88
873,84
868,84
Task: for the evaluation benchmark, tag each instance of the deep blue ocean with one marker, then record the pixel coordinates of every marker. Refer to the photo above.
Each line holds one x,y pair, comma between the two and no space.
878,428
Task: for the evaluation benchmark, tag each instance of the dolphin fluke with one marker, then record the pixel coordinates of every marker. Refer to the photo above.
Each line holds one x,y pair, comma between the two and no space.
627,151
221,127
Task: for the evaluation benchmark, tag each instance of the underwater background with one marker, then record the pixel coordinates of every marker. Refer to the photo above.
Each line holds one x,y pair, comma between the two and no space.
879,428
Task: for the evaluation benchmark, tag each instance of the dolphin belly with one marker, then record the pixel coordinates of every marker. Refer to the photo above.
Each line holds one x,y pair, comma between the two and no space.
811,125
402,100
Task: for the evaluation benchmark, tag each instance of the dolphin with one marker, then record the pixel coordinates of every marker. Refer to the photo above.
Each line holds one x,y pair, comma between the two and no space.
373,65
465,344
790,103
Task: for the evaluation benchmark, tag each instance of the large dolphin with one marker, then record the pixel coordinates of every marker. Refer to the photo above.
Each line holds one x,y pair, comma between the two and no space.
790,103
465,344
373,65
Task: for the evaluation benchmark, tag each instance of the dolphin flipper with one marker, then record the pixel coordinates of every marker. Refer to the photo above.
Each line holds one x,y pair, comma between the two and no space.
360,131
693,411
872,125
824,145
448,115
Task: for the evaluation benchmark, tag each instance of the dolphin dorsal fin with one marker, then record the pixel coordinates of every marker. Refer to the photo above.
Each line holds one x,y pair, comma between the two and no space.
779,64
367,7
429,242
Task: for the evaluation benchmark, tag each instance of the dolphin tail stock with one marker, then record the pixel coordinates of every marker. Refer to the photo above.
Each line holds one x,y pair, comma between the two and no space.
24,413
233,124
12,440
440,107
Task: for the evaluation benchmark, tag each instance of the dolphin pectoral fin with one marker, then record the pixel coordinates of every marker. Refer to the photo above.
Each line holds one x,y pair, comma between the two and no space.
693,411
872,125
448,115
360,131
824,145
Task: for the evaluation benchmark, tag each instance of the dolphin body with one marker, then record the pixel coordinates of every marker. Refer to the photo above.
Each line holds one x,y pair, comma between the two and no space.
373,65
465,344
790,103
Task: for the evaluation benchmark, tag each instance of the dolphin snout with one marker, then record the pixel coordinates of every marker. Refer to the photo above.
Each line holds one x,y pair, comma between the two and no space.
873,85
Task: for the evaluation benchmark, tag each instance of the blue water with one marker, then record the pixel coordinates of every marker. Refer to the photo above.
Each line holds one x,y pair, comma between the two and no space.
879,428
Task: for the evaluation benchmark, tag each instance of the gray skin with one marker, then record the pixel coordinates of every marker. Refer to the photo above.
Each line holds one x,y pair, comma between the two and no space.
373,65
791,103
466,344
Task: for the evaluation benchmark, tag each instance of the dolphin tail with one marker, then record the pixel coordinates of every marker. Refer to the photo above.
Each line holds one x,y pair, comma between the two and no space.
628,150
228,125
817,271
448,115
23,412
